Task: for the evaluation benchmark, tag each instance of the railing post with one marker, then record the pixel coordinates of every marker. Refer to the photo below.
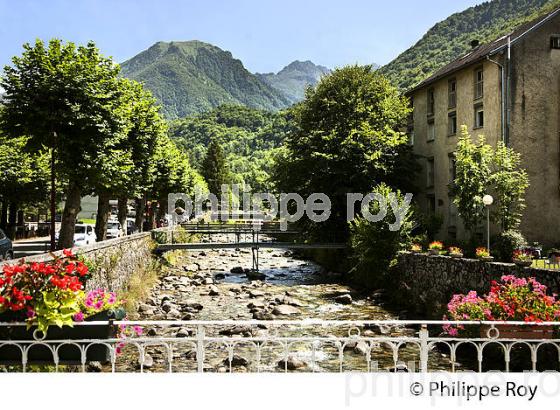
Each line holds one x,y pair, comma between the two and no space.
424,348
200,348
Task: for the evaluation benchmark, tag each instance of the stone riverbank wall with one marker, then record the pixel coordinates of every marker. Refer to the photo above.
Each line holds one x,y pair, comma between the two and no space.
112,261
427,283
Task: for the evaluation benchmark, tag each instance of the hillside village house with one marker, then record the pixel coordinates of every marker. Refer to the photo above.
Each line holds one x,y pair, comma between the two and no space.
508,89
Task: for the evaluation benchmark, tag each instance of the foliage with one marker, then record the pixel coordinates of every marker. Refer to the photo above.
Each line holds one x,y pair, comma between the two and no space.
473,171
481,169
24,176
522,255
214,168
192,77
249,138
482,252
436,245
513,299
347,139
454,250
373,245
45,293
506,242
450,39
509,182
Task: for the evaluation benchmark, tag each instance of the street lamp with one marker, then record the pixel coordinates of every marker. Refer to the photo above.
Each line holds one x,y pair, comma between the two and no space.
487,200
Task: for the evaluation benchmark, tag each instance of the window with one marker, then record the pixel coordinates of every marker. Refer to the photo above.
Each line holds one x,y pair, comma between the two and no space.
431,204
451,214
452,123
431,131
478,83
555,42
478,117
452,168
430,173
452,94
431,101
410,133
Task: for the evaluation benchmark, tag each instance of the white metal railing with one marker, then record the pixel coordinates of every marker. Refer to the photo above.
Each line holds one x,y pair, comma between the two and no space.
293,345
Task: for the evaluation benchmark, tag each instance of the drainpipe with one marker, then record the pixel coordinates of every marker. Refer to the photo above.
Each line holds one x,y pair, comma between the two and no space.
502,100
508,91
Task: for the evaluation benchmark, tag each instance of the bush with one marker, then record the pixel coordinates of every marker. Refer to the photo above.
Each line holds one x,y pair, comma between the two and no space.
505,243
374,246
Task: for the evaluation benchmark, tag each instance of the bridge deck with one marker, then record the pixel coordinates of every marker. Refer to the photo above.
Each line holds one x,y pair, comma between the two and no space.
263,245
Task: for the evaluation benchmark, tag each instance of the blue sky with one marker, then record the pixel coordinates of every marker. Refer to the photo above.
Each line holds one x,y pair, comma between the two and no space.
265,35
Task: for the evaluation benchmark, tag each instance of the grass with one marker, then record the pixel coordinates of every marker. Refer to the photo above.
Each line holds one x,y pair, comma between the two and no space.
140,285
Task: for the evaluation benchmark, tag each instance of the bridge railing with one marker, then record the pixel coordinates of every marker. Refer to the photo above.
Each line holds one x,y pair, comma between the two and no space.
290,346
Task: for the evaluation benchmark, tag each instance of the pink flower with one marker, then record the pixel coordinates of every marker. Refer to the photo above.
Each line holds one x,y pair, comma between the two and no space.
78,317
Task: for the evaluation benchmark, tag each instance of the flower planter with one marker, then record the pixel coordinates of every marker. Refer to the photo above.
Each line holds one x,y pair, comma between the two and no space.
486,258
456,255
68,352
434,252
523,263
530,332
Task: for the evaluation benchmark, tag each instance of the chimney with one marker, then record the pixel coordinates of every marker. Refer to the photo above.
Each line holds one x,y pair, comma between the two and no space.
474,44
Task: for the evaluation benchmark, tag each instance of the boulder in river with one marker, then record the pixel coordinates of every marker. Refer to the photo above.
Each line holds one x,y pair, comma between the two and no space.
285,310
345,299
236,361
291,363
237,269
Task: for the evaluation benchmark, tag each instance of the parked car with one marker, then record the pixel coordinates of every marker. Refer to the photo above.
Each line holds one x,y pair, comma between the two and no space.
84,234
113,230
6,248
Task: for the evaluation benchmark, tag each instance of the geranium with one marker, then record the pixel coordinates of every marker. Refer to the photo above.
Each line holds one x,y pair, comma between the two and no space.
416,247
436,245
455,250
511,299
522,255
42,293
482,252
99,300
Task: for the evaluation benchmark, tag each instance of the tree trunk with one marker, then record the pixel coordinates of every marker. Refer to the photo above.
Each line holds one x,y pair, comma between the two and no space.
140,209
122,213
69,215
103,212
162,211
4,216
152,215
12,221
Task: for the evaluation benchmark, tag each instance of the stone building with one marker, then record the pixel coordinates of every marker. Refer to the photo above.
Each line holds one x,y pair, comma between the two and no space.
508,89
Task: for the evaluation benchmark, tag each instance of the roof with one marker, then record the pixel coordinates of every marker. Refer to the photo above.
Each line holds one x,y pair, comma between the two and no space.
487,49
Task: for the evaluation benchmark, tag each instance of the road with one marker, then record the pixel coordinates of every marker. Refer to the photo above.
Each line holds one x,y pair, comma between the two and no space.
33,246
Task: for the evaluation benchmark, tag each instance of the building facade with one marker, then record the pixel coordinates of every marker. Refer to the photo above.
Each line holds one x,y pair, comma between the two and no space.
507,90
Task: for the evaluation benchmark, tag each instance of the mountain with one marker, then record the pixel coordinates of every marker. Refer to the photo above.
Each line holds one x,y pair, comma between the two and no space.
190,77
450,38
293,79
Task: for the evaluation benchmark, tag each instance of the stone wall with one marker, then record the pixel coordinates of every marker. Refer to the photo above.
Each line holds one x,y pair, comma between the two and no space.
113,261
426,283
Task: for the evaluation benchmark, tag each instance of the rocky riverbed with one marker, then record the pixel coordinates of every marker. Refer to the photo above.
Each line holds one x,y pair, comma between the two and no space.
214,285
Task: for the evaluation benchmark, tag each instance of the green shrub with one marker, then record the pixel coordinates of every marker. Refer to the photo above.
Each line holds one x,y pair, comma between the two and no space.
505,243
374,246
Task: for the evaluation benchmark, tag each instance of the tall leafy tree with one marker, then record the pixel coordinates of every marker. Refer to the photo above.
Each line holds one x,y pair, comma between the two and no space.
482,169
214,168
68,99
347,139
23,177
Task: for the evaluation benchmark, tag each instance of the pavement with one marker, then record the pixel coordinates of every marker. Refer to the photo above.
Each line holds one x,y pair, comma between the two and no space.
32,246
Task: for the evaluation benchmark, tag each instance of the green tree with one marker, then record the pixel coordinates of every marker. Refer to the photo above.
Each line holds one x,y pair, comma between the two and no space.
23,178
214,168
480,170
473,169
67,99
347,139
373,245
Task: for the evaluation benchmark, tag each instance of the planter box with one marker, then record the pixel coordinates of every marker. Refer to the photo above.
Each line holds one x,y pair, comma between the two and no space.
486,258
456,255
533,332
434,252
67,353
525,264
